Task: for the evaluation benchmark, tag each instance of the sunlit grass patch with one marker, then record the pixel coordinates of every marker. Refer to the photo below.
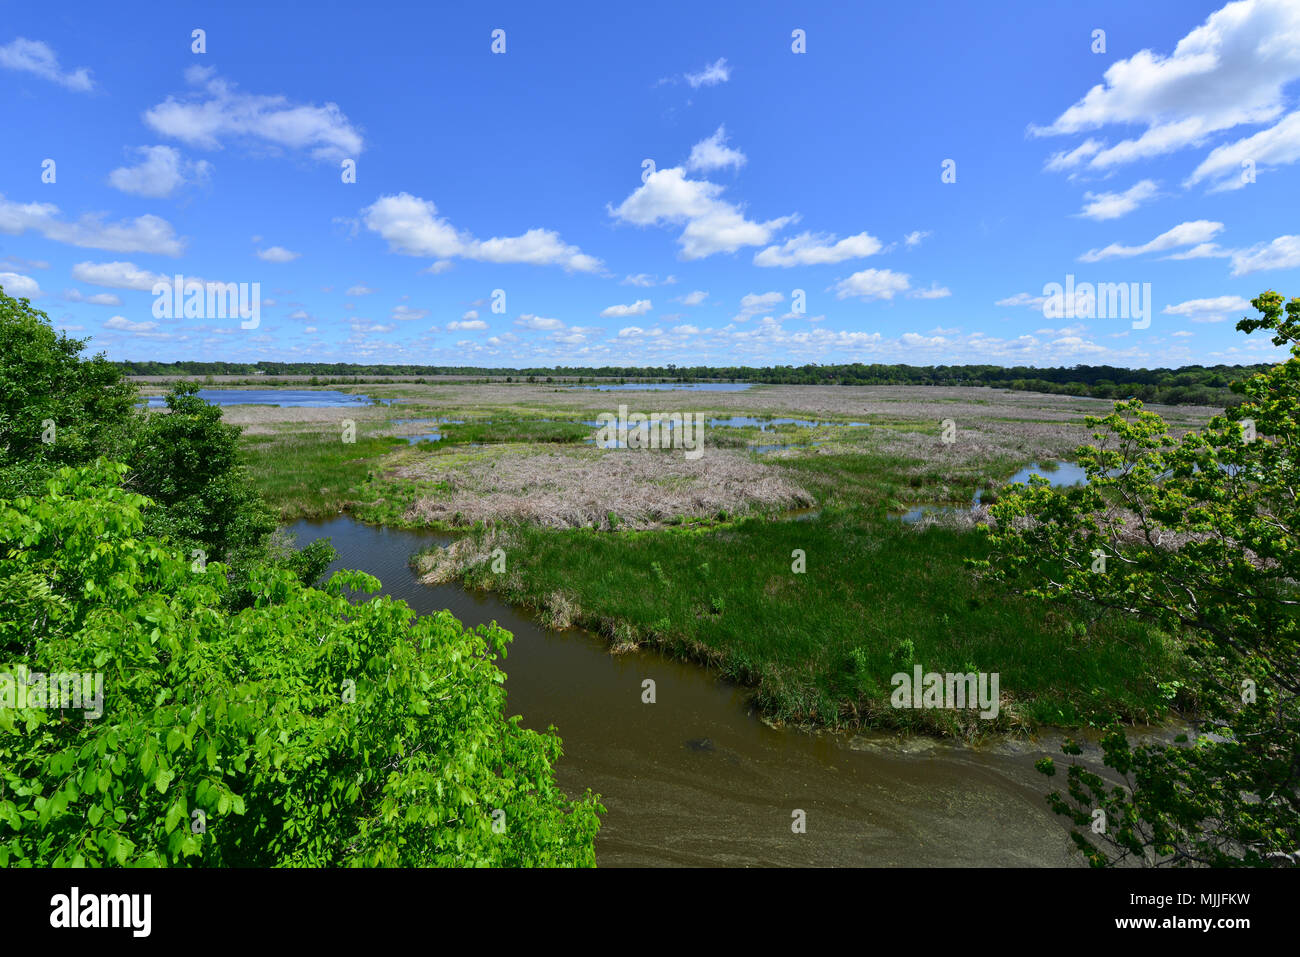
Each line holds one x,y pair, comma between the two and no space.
311,474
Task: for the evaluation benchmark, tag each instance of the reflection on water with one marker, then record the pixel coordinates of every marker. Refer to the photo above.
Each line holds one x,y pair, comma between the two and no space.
289,398
698,779
1058,475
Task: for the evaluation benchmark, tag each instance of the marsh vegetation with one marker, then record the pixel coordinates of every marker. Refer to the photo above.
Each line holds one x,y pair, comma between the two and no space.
694,557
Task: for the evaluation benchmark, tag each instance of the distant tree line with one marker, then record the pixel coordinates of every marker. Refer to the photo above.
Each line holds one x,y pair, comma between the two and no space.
1186,385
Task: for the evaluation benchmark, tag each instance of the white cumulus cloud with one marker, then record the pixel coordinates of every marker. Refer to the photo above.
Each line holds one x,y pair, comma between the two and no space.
638,308
117,275
873,284
713,153
412,227
161,170
19,286
1229,166
1229,71
711,225
807,249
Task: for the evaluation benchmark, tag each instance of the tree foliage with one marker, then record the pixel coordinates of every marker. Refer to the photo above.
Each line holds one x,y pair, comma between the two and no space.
247,718
1196,535
304,730
59,408
56,408
188,461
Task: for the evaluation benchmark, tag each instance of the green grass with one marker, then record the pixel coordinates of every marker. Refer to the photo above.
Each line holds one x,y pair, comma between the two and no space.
820,647
515,430
311,475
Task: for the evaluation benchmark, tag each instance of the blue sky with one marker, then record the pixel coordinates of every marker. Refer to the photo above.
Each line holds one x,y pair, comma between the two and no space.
774,171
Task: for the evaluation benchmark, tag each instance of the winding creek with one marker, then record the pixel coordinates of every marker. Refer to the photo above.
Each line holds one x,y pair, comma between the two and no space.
698,779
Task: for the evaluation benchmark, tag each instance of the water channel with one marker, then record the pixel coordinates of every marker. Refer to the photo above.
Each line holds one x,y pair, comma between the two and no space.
699,779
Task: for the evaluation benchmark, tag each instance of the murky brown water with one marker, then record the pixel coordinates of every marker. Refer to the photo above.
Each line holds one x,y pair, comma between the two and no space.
698,779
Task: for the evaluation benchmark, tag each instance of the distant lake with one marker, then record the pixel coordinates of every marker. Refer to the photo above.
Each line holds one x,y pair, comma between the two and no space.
289,398
668,386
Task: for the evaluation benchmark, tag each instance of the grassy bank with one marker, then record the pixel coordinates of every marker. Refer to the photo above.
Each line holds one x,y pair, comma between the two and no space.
820,646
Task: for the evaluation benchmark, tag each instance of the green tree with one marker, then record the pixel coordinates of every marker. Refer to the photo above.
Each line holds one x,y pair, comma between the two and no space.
56,408
59,408
188,461
305,730
1196,535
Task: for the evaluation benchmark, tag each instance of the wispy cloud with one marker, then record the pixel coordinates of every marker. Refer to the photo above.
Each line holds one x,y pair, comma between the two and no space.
147,234
1281,253
38,58
1215,309
1184,234
1100,207
712,74
217,114
807,249
277,254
